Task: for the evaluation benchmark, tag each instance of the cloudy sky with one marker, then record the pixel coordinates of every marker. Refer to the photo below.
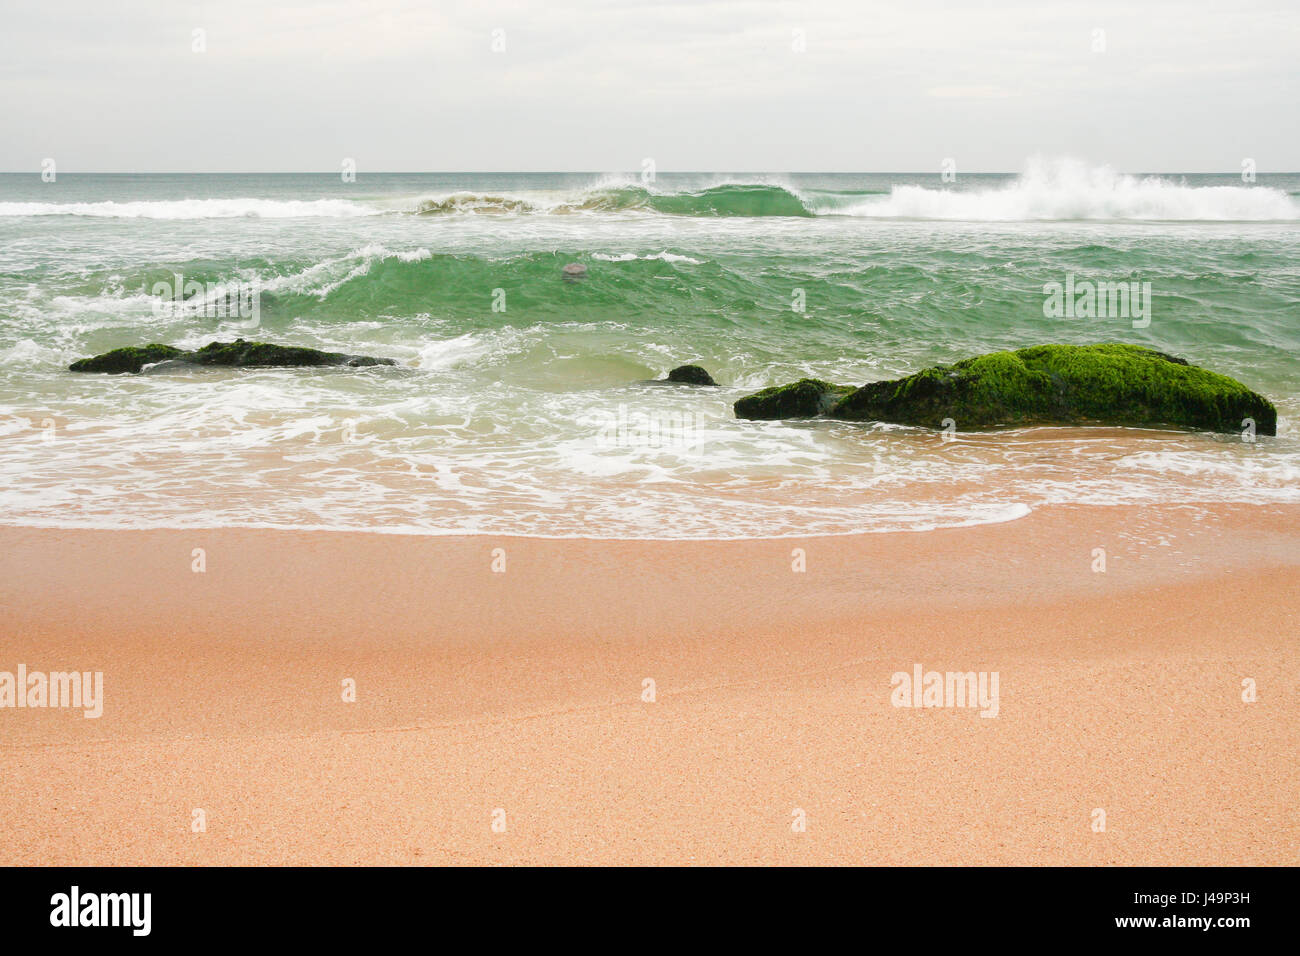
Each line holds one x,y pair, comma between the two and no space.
757,85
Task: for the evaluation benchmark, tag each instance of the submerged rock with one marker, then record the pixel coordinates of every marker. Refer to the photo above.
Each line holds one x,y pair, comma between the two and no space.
1110,384
690,375
806,398
237,354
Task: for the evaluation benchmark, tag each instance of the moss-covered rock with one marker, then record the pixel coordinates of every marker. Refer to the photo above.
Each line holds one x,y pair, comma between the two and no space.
242,354
237,354
690,375
1109,384
131,359
806,398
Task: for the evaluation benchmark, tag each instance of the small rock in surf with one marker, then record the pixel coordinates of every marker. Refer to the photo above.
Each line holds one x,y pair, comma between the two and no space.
690,375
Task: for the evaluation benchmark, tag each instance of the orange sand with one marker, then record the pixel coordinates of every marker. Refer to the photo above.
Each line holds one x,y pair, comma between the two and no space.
522,691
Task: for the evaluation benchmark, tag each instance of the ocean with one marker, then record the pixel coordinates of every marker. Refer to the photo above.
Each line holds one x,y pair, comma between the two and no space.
521,401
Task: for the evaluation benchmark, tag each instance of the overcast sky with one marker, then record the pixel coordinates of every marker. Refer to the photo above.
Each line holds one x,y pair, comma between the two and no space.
729,86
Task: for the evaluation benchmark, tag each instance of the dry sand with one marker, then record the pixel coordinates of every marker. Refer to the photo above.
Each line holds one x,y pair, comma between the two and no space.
522,691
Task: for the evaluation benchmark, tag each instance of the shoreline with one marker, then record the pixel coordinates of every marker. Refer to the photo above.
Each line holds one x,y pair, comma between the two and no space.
522,690
511,536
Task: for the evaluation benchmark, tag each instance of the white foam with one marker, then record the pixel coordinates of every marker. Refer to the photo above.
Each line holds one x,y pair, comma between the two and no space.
324,277
196,209
27,352
465,349
633,257
1066,189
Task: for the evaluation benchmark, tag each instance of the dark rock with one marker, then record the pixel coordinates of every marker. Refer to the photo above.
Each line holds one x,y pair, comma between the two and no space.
690,375
237,354
131,359
806,398
242,354
1112,384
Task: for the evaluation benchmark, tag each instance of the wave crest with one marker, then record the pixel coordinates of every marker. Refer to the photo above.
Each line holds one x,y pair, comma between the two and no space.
726,199
1071,190
472,203
1048,190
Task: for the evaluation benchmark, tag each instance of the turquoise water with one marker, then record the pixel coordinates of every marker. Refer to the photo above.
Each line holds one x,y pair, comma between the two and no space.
520,403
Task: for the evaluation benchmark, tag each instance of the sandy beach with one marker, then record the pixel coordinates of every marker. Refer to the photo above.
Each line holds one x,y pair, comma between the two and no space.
503,714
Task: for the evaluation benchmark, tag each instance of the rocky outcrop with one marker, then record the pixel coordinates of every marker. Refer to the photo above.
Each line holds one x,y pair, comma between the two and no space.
1111,384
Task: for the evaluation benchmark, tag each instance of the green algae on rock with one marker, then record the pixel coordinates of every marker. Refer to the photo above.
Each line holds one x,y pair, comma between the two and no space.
131,359
237,354
806,398
1110,384
242,354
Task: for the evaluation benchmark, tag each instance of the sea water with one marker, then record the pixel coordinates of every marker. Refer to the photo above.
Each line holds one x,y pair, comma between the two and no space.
520,403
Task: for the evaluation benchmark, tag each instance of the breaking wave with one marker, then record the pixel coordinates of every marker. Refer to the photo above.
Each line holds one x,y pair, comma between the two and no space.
1048,190
1068,190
